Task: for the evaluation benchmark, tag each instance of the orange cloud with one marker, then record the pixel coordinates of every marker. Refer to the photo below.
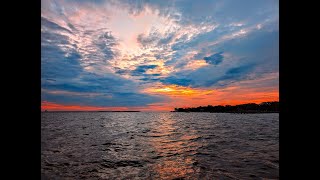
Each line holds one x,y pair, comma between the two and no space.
196,64
179,96
175,90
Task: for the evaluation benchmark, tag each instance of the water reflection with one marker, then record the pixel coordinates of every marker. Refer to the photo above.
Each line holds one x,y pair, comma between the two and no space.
159,146
174,147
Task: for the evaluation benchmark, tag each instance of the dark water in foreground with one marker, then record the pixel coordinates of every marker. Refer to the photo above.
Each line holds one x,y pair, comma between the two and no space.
116,145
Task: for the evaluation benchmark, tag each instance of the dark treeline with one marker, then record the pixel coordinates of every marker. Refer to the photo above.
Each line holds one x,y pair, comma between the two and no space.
265,107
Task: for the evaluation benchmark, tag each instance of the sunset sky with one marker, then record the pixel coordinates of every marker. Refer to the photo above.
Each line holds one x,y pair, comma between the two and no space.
158,54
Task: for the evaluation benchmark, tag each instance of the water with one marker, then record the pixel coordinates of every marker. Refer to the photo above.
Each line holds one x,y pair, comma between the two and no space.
116,145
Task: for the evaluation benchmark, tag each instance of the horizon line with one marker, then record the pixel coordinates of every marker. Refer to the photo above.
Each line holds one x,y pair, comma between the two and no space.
47,110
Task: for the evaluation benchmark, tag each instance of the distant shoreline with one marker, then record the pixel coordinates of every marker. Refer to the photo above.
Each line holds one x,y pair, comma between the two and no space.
264,107
261,112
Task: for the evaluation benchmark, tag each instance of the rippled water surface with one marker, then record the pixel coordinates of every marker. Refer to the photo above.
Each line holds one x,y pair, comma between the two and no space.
141,145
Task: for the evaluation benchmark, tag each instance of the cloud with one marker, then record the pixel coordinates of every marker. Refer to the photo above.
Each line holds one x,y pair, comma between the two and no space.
139,71
105,43
66,75
55,62
231,75
116,99
149,40
45,23
142,69
214,58
96,91
238,70
177,81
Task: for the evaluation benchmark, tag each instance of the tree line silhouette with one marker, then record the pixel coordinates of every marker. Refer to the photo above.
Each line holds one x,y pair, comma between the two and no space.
265,107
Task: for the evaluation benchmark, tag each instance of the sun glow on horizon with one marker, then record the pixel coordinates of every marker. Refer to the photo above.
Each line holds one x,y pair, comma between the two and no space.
175,90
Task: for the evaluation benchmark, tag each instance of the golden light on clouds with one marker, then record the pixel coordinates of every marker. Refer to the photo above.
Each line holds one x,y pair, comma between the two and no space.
175,90
196,64
160,69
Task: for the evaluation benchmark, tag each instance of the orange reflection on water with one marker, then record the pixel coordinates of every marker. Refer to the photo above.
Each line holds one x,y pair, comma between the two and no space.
173,146
171,169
